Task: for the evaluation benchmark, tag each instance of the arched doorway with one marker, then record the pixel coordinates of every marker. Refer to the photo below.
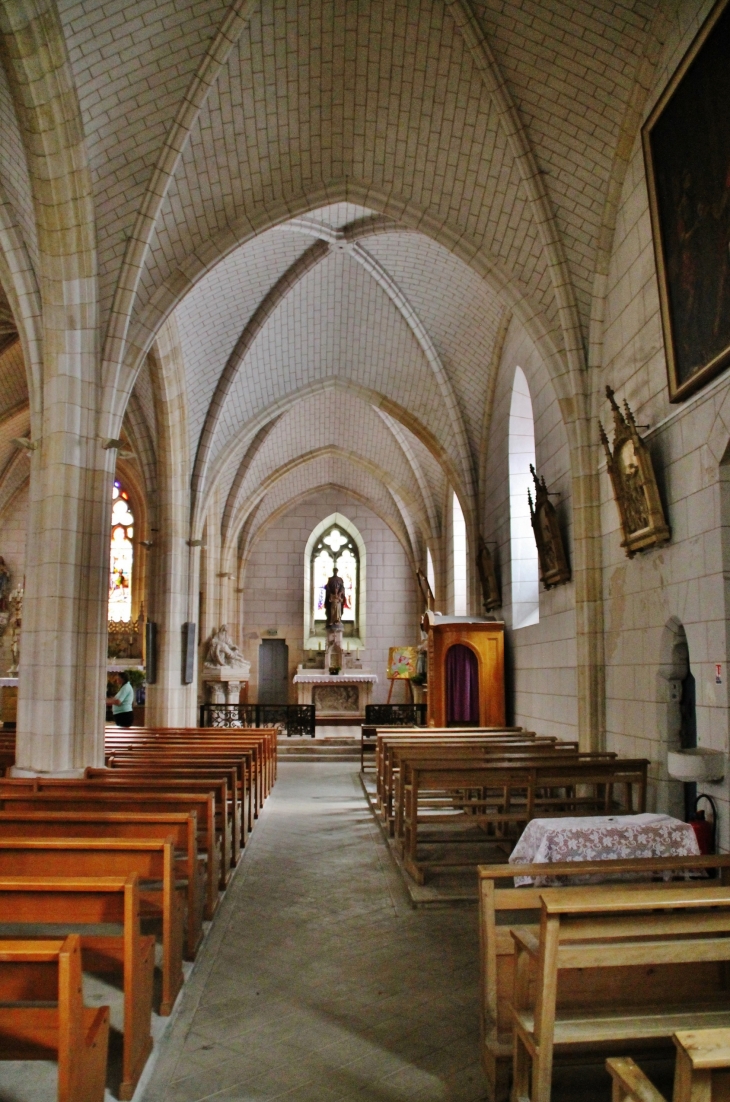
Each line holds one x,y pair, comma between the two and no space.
462,687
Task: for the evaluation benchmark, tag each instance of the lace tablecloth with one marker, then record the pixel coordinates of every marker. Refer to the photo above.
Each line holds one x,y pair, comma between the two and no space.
600,838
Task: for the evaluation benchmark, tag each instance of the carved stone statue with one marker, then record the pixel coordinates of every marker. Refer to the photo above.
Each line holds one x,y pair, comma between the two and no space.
221,651
334,599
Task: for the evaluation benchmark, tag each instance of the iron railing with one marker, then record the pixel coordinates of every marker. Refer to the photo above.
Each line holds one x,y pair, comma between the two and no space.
395,715
297,720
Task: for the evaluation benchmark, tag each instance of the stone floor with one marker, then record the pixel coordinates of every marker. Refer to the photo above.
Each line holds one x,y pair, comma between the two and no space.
318,980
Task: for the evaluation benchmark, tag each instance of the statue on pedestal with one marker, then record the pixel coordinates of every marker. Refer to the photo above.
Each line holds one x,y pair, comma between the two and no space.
224,668
335,599
220,650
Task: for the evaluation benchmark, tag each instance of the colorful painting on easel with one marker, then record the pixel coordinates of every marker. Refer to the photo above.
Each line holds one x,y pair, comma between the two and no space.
402,663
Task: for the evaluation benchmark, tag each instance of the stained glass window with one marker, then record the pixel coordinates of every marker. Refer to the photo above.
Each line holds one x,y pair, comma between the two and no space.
335,549
121,556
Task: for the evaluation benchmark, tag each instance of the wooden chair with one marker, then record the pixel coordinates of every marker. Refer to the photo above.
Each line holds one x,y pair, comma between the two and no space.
503,907
42,972
649,963
68,901
702,1071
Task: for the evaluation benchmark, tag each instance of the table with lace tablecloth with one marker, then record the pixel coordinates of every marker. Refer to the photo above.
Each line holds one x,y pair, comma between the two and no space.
600,838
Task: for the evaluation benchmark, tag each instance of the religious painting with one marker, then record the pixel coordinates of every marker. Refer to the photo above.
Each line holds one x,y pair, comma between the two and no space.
687,156
402,663
491,595
554,568
634,483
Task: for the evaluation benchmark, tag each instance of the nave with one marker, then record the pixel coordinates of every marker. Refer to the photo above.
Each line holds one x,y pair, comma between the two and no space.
318,980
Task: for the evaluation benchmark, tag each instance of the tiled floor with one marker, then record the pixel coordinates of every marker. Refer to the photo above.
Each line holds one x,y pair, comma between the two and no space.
318,981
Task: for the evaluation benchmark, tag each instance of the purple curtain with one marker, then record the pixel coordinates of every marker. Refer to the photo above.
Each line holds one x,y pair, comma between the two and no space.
462,686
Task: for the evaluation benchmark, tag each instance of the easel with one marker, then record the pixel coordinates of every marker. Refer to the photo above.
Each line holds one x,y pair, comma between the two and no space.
406,681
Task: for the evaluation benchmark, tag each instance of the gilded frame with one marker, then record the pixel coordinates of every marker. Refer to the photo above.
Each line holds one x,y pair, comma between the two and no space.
686,142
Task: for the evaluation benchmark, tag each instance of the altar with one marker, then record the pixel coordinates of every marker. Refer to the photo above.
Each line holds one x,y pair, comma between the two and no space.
344,694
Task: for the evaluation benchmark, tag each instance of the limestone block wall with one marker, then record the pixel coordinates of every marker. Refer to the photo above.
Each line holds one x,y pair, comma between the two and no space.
683,581
540,658
273,585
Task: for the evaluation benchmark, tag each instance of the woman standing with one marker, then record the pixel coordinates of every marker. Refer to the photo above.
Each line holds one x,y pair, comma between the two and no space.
123,703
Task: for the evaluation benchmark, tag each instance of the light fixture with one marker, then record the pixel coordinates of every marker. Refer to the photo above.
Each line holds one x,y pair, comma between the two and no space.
25,443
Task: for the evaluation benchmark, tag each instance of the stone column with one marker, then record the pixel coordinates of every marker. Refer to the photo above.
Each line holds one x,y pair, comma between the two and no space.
171,703
63,642
62,679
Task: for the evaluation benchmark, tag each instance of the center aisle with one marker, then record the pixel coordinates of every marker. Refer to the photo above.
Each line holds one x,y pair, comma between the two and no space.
318,981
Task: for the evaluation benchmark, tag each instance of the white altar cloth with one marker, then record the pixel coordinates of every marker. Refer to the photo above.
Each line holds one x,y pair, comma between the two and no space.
600,838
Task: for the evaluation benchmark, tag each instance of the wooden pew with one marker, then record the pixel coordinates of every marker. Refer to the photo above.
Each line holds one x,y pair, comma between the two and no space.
246,757
511,794
391,748
181,828
262,740
664,951
152,861
226,815
67,901
97,800
389,737
156,773
702,1072
490,751
77,1036
503,907
182,763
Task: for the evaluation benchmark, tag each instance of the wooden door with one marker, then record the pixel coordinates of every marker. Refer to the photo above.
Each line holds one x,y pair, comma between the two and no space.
273,672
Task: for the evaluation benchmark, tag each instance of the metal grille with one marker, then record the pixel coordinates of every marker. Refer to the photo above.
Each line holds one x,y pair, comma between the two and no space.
395,715
297,720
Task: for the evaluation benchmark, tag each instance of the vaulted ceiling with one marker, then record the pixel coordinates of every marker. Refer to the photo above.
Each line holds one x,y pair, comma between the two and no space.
337,206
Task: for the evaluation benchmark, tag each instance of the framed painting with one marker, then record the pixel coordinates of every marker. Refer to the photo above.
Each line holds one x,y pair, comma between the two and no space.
402,662
687,156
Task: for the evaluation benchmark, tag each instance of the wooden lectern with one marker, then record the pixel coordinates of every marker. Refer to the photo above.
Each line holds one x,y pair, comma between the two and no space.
485,639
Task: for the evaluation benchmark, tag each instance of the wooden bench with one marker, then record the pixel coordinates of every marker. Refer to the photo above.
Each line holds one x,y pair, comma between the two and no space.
221,781
33,973
517,753
664,951
96,800
226,813
263,741
153,863
702,1072
178,764
181,828
503,907
67,901
396,751
508,795
245,757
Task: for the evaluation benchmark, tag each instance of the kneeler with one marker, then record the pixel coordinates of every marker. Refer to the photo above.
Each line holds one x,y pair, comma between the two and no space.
702,1072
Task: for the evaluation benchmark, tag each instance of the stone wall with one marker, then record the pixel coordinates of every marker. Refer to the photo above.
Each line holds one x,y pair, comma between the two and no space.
273,586
540,658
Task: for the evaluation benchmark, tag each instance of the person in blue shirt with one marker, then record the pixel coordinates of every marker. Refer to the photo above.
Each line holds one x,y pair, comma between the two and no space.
123,703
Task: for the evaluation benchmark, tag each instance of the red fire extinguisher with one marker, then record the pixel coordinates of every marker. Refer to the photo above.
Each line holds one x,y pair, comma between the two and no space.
705,832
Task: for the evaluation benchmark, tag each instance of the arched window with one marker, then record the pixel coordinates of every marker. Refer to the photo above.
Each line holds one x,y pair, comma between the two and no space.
335,544
458,533
430,572
523,551
121,556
